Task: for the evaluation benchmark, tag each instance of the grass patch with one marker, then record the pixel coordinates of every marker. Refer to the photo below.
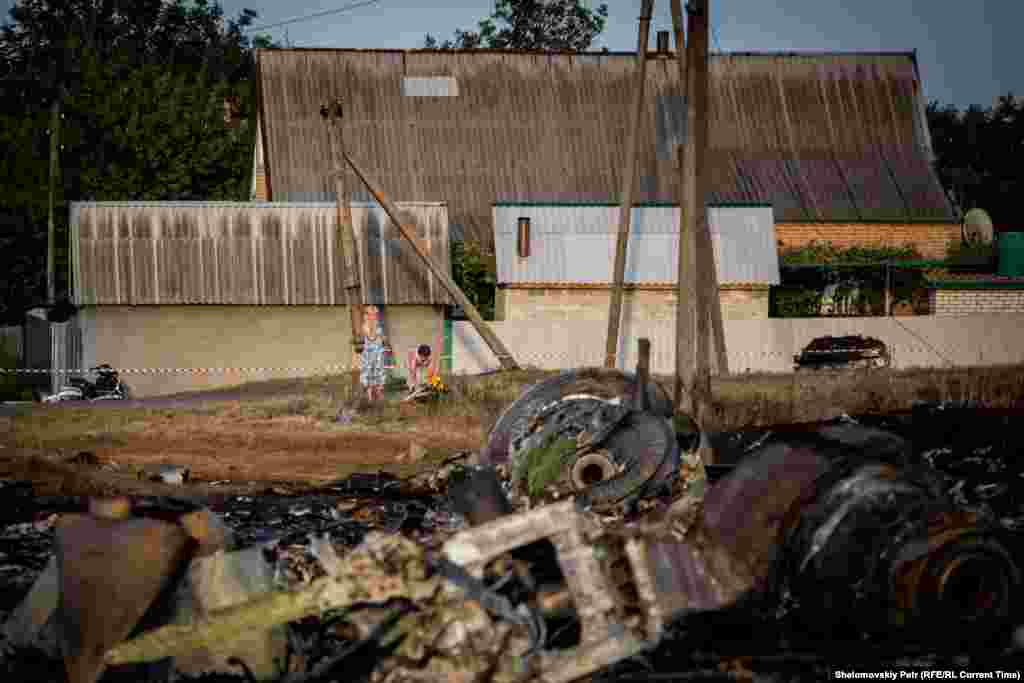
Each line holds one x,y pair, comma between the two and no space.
763,399
78,427
542,465
474,403
10,388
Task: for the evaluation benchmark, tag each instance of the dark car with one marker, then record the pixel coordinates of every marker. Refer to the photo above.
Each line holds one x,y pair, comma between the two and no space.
852,351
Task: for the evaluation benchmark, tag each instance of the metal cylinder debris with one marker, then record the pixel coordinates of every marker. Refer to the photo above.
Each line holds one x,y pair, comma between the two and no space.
837,522
591,469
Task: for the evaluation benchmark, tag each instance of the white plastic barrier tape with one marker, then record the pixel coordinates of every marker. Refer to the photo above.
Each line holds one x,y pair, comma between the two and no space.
198,371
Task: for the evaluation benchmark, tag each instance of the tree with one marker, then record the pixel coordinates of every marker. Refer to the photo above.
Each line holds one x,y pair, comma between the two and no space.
563,25
142,86
978,154
472,269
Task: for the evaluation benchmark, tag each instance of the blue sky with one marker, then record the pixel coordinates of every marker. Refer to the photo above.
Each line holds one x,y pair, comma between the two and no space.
965,49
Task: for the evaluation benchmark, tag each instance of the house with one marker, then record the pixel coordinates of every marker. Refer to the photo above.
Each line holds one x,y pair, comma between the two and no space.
195,295
554,261
837,144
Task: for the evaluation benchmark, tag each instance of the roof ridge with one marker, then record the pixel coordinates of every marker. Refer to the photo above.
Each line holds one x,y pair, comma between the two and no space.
598,53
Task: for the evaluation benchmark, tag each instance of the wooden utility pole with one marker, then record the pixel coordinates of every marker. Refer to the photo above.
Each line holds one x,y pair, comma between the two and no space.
699,329
709,333
51,229
484,330
686,287
629,171
346,240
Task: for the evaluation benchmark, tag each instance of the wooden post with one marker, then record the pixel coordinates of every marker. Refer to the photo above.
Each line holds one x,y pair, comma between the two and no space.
628,188
709,331
51,229
686,284
888,289
347,244
485,331
643,372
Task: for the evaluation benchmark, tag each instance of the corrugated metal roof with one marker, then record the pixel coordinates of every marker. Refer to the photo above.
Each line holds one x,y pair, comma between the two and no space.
248,253
822,137
577,244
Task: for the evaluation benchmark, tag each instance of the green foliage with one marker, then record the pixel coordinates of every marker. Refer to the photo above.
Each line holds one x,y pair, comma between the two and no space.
972,256
181,150
141,86
827,253
543,465
566,25
10,390
471,270
795,302
802,287
978,156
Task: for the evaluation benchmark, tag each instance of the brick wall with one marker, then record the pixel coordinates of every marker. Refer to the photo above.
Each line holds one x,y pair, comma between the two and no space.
967,301
738,303
930,239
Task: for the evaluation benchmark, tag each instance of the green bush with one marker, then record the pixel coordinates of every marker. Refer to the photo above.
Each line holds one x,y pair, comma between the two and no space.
972,257
473,271
826,253
10,390
794,302
806,272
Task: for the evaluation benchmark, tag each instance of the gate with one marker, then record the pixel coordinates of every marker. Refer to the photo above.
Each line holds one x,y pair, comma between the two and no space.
49,346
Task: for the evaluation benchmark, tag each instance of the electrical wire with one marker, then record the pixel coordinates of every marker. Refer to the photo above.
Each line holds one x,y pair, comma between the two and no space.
351,6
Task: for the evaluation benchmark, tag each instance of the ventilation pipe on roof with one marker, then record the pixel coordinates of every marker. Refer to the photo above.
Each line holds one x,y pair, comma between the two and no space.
523,238
662,42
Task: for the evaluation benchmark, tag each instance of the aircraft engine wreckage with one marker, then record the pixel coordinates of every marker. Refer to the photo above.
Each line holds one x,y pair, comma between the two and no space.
834,518
592,434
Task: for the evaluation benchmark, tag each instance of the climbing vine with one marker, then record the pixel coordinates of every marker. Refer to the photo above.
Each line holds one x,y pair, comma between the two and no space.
807,270
826,253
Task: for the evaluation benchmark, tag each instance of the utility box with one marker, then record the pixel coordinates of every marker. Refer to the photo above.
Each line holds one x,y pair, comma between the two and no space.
1011,254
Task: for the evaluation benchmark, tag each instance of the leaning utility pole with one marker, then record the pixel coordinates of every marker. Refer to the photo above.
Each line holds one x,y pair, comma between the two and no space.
346,240
51,229
483,329
629,170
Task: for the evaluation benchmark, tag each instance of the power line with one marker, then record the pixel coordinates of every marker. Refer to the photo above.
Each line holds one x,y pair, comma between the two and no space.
354,5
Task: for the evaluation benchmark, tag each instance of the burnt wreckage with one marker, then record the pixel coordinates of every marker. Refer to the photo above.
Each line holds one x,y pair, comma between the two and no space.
834,519
851,351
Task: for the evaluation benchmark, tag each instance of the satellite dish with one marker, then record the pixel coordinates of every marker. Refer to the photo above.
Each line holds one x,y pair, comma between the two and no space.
977,226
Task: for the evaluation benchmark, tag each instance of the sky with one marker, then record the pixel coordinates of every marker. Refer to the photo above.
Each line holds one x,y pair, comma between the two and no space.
964,49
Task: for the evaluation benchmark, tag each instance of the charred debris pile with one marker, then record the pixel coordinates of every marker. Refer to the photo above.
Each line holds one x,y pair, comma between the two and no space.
595,535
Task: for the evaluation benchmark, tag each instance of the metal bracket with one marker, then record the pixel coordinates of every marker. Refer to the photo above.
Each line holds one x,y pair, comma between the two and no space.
604,640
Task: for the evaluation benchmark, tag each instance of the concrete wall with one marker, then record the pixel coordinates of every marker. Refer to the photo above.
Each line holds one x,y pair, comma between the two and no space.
930,239
285,338
969,301
638,304
752,345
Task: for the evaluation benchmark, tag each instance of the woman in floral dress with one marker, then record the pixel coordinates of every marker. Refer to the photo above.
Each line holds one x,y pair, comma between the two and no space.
372,359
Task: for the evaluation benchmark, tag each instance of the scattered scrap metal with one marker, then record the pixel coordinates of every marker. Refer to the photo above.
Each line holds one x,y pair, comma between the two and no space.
588,506
851,351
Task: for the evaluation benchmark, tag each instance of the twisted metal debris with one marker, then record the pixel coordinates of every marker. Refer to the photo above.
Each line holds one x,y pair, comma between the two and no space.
834,519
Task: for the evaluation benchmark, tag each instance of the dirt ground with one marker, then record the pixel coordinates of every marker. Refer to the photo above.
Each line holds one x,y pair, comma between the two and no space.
283,449
288,432
92,453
